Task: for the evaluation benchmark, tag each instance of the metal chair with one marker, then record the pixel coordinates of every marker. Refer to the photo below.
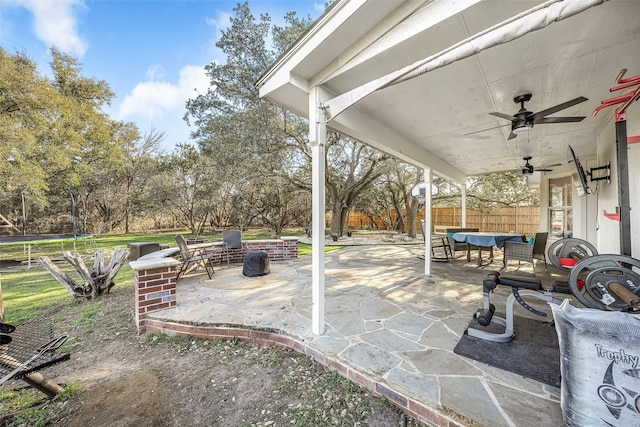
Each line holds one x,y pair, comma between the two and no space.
521,251
193,257
232,240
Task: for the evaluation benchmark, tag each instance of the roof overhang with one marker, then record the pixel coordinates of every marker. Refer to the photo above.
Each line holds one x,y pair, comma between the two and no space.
432,71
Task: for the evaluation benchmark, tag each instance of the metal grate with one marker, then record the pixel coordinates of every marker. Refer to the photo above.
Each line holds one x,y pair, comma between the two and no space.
26,342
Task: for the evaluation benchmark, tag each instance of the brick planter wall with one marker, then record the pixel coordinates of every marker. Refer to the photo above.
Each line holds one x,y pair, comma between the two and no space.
277,249
156,273
155,290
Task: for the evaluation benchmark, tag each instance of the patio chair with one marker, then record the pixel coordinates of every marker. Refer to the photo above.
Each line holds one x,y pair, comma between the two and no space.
440,249
521,251
232,240
193,258
459,246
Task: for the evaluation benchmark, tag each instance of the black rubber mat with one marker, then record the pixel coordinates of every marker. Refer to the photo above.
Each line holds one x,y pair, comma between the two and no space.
533,353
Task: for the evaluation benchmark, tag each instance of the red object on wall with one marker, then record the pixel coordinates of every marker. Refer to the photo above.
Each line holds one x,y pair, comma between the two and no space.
613,216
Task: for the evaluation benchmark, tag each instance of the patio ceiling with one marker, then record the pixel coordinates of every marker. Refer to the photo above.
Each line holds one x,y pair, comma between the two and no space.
433,120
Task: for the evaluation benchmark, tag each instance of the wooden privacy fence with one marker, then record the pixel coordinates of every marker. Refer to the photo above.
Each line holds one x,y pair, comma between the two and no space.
518,219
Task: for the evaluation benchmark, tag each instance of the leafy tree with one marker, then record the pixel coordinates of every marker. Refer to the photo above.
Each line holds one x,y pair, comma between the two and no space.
487,192
140,165
188,188
404,178
114,192
250,139
281,204
351,167
26,98
52,132
389,197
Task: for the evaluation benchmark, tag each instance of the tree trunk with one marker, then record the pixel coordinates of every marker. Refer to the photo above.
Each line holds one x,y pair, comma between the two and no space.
412,206
95,281
344,220
399,219
336,215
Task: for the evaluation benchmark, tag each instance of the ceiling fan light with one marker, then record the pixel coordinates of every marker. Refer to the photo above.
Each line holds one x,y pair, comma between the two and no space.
522,129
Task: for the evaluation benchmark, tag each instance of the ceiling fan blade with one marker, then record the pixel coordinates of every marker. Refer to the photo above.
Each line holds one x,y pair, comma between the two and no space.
483,130
511,136
551,166
503,116
559,107
558,120
546,168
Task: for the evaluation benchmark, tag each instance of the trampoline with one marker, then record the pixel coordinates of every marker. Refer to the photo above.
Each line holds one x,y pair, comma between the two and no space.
27,240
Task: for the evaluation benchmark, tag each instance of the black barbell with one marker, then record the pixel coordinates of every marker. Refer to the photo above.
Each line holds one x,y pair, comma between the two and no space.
607,282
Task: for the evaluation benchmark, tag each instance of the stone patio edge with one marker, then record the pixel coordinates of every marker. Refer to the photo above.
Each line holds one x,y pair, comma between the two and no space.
408,405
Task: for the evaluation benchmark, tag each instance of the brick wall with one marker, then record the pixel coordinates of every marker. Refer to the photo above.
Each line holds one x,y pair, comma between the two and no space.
277,249
155,290
156,275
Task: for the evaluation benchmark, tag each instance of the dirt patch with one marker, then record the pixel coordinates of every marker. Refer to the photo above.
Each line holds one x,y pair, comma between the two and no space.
139,397
152,380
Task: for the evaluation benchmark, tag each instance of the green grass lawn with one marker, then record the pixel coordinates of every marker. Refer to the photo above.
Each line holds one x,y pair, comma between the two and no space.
28,294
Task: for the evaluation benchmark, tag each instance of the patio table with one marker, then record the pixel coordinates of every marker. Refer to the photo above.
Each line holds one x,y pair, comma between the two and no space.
485,240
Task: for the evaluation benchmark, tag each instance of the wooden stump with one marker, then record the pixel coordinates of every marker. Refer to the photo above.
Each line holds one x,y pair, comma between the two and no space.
97,280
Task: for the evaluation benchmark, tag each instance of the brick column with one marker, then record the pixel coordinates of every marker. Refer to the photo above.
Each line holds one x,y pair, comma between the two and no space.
290,247
155,288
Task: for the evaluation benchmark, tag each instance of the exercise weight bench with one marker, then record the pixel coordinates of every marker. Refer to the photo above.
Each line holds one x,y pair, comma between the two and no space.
521,286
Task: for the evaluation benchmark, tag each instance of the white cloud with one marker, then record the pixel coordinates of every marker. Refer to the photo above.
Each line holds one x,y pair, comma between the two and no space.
54,22
222,22
155,72
193,79
160,104
153,99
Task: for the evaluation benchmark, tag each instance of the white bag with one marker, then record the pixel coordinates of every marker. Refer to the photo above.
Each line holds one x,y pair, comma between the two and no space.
600,366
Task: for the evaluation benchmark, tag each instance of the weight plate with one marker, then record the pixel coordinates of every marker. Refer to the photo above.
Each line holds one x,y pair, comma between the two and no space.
569,248
579,274
598,281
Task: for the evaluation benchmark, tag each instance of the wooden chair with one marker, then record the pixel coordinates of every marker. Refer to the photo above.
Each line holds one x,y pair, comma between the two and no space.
440,249
193,258
522,251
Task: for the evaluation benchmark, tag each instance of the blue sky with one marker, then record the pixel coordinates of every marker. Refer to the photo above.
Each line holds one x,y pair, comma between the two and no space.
152,53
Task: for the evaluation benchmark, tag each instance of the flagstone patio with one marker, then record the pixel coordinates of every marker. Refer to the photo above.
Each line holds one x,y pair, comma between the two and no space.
389,328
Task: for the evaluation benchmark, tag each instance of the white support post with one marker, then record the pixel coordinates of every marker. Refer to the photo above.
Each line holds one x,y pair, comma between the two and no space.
317,137
428,178
463,203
